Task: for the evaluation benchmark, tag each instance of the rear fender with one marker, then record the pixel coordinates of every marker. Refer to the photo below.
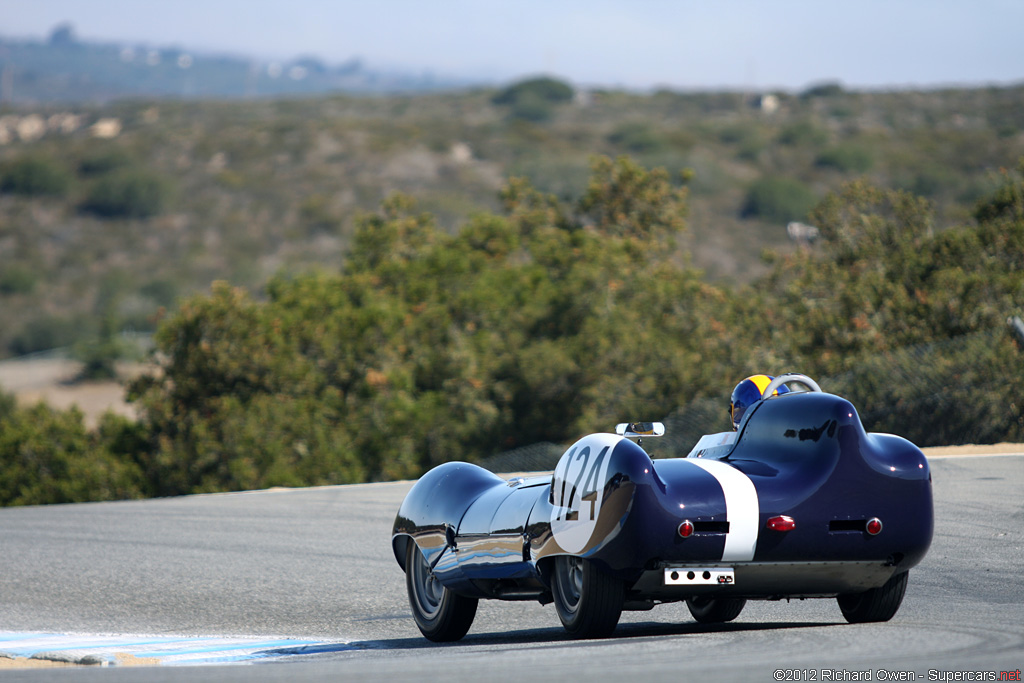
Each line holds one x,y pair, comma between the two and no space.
435,506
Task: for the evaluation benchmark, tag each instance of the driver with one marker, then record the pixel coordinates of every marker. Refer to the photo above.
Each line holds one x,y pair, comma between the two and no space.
747,393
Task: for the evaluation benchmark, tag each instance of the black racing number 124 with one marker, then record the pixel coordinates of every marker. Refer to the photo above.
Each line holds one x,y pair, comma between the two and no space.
578,467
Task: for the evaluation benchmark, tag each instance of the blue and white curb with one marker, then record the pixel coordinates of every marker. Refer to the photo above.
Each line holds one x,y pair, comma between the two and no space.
120,650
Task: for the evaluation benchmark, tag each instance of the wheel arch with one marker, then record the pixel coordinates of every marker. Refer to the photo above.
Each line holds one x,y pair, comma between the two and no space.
400,546
435,506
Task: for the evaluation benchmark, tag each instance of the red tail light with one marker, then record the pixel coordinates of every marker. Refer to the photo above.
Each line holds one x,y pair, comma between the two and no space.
781,523
686,528
874,526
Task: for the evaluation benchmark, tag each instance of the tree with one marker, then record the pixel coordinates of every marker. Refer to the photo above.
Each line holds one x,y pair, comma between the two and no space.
548,321
886,286
63,35
625,200
48,456
534,325
543,89
534,99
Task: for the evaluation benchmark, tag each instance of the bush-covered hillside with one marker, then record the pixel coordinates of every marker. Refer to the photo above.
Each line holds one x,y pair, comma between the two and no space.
540,321
110,214
405,280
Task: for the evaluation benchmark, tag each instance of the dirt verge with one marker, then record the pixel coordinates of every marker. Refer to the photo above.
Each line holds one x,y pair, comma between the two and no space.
975,449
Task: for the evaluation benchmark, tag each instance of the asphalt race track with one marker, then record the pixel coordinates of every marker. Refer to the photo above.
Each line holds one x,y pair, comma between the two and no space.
316,564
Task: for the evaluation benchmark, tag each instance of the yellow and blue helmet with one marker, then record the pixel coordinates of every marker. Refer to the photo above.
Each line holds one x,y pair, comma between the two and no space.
747,393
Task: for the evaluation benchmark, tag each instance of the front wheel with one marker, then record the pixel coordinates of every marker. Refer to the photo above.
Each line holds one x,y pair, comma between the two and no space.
876,604
715,610
588,602
440,614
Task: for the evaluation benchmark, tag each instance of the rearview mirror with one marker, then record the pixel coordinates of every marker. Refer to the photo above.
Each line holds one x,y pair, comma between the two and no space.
635,429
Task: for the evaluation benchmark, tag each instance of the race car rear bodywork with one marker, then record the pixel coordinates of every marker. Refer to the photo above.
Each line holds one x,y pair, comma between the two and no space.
800,502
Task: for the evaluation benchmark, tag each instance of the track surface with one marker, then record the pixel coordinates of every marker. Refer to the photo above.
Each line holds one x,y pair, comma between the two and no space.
317,563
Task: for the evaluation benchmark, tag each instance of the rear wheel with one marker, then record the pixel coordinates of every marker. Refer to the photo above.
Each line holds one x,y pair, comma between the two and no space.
440,614
588,602
715,610
877,604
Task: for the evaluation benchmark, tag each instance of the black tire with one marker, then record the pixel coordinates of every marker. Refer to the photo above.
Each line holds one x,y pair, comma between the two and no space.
588,602
440,614
715,610
877,604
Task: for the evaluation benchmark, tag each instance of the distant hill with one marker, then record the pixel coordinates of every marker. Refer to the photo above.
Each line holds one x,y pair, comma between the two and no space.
64,69
110,212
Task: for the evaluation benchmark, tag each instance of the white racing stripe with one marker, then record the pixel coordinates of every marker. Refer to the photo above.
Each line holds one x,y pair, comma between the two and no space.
114,650
741,509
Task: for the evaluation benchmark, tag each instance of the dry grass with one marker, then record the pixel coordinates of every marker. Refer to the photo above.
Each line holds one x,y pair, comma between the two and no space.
52,381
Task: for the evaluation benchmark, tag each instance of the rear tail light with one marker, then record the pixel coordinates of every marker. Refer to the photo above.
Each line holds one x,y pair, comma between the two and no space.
874,526
686,528
781,523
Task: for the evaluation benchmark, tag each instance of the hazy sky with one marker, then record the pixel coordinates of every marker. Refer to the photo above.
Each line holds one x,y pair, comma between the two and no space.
640,44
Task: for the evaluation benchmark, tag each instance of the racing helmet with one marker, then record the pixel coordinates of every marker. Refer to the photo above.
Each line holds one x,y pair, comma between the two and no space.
747,393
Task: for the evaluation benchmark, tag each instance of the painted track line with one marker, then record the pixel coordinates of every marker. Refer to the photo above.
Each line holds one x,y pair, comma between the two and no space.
115,650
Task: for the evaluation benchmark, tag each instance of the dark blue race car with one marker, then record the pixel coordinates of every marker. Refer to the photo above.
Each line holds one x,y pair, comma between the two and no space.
799,502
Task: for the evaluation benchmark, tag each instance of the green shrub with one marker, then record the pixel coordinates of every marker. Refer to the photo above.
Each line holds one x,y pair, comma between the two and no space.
548,90
17,279
532,108
43,334
34,176
751,148
637,137
848,157
162,292
778,200
48,456
747,138
827,89
736,134
318,216
802,134
99,357
534,99
8,404
1006,202
931,182
127,194
101,161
